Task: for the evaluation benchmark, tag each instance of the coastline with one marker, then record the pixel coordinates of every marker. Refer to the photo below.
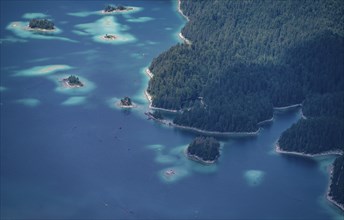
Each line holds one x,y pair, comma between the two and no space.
149,73
231,134
66,84
41,29
328,197
150,99
337,153
181,12
327,153
266,121
198,159
170,123
186,41
125,106
286,108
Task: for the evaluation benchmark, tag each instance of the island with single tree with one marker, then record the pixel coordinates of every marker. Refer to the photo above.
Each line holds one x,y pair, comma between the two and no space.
41,24
72,82
205,150
112,8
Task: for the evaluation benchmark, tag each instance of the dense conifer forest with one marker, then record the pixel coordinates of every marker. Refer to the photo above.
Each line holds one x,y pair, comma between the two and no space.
42,24
247,57
337,184
206,148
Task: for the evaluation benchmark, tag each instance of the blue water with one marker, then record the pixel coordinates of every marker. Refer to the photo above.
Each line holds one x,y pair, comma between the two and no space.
72,154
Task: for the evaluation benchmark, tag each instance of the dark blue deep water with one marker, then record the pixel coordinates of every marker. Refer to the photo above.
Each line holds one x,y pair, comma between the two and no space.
72,154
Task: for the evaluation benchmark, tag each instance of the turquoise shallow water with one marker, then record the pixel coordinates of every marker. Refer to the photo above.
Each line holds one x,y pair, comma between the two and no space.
72,154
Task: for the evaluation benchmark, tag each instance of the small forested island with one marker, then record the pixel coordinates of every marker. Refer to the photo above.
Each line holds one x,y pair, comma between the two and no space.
111,8
126,102
73,81
44,24
204,149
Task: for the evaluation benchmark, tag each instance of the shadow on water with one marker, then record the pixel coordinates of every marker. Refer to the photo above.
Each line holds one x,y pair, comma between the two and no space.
298,160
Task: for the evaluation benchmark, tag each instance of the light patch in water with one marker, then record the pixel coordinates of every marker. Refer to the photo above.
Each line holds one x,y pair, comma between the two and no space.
81,33
22,30
182,166
140,19
254,177
156,147
111,102
168,28
82,14
103,26
3,88
43,70
177,173
75,100
137,55
39,60
34,15
29,102
334,211
165,159
325,162
10,39
140,96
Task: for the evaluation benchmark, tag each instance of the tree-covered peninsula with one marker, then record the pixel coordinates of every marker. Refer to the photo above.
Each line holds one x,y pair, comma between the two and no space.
247,57
44,24
204,149
336,192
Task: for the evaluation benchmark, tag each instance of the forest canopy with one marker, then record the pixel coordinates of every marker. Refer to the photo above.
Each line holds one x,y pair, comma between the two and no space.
247,57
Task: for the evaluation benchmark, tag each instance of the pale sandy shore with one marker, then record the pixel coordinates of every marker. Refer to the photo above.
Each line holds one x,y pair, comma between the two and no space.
150,99
119,104
181,12
187,41
231,134
266,121
198,159
41,30
279,150
338,153
302,115
287,108
67,85
149,73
